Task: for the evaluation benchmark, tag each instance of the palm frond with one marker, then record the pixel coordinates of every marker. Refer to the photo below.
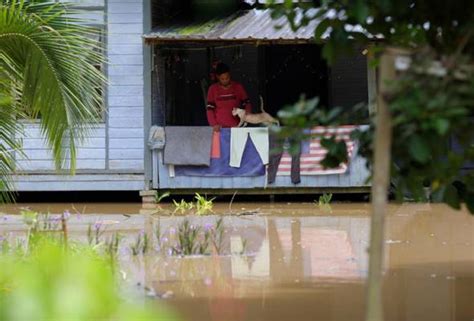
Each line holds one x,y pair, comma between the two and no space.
9,145
53,56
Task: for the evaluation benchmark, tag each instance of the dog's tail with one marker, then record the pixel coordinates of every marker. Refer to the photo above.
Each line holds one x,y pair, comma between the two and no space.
261,104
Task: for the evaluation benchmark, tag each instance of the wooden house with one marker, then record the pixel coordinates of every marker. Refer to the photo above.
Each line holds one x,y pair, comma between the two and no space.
278,64
158,71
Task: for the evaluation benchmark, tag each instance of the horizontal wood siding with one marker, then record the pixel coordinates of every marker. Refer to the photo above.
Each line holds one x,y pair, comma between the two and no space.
112,157
126,83
38,157
356,176
83,182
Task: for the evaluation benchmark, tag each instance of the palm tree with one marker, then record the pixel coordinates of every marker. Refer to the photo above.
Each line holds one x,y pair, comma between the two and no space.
47,71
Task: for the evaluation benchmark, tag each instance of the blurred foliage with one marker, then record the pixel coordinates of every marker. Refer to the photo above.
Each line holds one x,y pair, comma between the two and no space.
431,101
54,284
308,113
437,24
430,113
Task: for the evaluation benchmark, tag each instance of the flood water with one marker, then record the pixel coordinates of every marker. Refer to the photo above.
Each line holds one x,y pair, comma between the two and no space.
300,262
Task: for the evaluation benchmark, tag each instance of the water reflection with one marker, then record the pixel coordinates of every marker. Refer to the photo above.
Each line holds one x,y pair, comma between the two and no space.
280,249
303,264
314,267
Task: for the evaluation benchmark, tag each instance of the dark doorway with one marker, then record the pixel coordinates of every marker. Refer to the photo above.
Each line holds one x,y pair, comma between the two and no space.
291,71
280,74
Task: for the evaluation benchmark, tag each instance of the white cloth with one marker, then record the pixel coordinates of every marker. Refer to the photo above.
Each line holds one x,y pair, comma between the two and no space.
238,139
171,171
156,137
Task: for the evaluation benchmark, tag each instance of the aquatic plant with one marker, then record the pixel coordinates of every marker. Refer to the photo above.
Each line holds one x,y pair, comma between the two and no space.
145,243
4,245
203,244
182,206
187,239
244,247
94,233
157,234
217,235
41,224
196,240
161,238
141,244
325,199
203,205
112,245
29,217
324,203
159,197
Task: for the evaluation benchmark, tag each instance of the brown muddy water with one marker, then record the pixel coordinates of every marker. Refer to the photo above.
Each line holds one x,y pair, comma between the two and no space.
300,262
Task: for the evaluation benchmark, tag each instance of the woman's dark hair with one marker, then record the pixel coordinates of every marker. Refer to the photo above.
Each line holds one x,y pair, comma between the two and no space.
222,68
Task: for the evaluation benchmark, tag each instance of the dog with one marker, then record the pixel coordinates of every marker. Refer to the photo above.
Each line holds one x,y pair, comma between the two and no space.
260,118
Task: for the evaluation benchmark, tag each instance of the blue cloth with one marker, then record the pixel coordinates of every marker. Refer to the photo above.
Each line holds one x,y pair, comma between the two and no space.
251,163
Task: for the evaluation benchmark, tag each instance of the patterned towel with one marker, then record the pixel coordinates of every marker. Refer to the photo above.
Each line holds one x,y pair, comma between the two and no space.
311,159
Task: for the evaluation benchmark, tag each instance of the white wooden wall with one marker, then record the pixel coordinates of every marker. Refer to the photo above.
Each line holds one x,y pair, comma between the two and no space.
113,156
355,177
126,83
38,157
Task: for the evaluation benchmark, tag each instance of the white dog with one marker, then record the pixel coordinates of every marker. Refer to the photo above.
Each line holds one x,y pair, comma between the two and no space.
260,118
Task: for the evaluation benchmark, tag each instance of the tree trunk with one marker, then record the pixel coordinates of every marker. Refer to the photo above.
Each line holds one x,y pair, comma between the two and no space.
380,184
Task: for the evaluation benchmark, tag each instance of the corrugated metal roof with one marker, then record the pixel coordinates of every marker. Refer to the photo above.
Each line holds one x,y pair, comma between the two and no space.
255,26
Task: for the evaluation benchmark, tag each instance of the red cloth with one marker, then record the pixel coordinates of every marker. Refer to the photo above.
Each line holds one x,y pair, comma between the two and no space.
221,101
216,145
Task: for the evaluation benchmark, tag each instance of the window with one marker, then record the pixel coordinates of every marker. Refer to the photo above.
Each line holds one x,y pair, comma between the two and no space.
92,11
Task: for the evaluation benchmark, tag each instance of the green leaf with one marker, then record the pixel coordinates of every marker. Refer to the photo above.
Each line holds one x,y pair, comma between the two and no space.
441,125
470,203
418,149
361,11
337,152
451,197
329,52
288,4
321,28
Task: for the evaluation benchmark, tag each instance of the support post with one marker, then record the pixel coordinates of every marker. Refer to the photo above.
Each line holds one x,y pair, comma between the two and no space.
380,184
148,198
371,83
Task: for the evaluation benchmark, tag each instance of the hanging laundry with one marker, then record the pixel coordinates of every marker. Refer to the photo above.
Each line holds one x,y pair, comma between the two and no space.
219,167
187,145
238,140
310,162
277,147
216,145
